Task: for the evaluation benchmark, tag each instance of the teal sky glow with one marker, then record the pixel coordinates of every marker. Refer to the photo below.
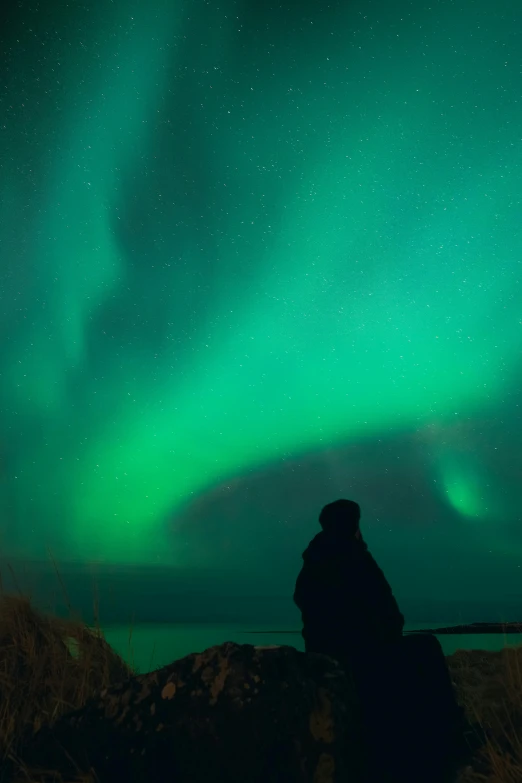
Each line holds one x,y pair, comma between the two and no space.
237,236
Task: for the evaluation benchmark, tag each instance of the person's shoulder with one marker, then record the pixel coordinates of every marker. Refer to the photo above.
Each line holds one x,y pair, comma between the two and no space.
314,548
363,557
325,546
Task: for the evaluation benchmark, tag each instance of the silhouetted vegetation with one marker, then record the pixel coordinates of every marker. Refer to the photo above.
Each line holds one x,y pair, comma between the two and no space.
48,666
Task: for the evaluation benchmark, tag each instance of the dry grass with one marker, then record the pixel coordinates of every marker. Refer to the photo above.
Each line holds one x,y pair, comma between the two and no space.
48,666
489,687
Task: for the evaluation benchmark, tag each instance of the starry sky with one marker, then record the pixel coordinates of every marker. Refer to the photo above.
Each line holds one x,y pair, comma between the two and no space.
256,256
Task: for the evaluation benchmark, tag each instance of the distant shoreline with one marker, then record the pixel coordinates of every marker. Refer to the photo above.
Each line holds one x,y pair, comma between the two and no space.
471,628
476,628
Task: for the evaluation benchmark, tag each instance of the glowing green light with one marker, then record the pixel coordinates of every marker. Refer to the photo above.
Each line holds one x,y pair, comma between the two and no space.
359,267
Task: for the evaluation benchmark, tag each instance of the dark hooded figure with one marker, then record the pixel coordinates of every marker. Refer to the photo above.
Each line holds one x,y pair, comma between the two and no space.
346,603
349,613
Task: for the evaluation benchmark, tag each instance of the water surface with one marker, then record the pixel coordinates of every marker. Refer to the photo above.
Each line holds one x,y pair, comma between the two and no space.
149,646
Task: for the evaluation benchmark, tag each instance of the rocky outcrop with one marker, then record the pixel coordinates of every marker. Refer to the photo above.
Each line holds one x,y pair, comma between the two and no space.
233,713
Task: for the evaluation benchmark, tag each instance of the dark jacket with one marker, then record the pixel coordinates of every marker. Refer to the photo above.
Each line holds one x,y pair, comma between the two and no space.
345,601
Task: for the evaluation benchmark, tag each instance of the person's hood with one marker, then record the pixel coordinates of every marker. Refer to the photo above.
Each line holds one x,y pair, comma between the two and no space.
328,544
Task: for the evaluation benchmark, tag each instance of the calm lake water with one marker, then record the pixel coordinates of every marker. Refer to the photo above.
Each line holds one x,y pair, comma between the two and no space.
149,647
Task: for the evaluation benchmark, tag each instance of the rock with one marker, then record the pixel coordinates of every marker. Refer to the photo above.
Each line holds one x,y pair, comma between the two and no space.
233,713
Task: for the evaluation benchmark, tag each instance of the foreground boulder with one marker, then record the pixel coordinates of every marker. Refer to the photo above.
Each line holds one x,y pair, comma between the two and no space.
233,713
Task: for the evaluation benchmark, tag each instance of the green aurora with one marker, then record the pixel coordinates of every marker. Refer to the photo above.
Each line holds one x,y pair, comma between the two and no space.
238,234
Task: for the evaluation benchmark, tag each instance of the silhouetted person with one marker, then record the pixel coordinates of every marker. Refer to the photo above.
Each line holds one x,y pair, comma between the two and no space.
349,613
345,601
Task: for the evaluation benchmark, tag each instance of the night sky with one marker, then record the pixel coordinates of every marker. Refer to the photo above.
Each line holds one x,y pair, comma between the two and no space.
256,256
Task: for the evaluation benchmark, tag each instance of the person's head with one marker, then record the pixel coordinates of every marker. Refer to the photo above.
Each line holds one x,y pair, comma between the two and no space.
343,515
